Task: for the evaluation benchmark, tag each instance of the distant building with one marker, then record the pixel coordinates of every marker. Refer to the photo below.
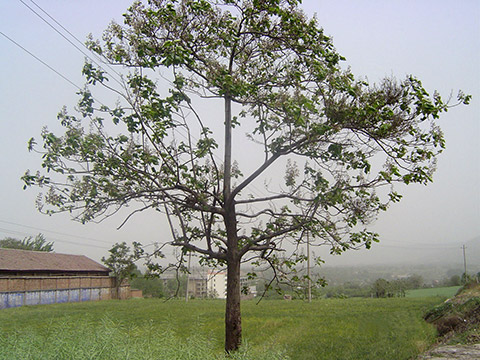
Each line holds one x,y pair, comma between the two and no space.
203,283
36,277
217,284
197,286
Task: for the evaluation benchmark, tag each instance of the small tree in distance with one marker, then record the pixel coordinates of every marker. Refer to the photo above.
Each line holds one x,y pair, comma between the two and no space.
343,143
121,262
39,243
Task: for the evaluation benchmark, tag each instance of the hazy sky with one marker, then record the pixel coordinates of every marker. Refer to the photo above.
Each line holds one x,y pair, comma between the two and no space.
437,41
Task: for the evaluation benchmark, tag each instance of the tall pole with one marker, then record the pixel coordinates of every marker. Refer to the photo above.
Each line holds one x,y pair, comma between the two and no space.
464,264
188,276
308,270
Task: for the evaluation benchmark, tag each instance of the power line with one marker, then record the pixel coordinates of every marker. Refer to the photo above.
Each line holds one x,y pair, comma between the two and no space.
14,232
48,66
53,232
23,233
55,239
67,39
41,61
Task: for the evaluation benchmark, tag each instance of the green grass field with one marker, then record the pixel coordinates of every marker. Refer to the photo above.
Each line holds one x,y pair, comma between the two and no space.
444,292
154,329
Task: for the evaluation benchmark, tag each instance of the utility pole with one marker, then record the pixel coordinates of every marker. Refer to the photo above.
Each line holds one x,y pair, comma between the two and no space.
464,265
188,276
308,270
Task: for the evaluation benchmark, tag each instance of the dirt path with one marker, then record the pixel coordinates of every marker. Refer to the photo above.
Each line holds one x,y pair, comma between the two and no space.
447,352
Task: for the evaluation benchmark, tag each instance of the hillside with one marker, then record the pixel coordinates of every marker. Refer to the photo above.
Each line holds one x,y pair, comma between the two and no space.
431,273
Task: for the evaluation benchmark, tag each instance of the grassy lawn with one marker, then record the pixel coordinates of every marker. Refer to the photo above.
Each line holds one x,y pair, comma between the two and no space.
444,292
149,328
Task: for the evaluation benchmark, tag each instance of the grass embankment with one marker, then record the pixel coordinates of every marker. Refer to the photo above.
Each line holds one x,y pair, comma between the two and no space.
458,319
153,329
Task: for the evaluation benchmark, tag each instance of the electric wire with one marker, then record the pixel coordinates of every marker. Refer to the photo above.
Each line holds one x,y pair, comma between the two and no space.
14,232
23,233
41,61
53,232
80,42
49,67
67,39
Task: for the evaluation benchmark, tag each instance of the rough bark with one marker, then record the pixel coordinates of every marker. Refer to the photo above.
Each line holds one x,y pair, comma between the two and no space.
233,318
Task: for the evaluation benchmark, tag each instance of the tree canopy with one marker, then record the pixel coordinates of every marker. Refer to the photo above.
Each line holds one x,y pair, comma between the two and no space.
343,143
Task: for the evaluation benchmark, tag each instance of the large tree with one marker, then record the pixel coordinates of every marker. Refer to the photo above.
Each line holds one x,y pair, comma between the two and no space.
342,142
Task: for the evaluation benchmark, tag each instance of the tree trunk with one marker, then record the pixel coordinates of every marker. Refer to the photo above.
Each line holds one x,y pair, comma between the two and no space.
233,317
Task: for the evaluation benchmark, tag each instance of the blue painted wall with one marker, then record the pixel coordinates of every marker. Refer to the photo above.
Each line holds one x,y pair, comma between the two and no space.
43,297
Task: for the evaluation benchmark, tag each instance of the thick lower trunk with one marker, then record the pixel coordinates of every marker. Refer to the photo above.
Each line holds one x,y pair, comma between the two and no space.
233,317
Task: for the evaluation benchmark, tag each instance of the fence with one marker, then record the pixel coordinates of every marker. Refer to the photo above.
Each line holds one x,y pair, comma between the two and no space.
19,291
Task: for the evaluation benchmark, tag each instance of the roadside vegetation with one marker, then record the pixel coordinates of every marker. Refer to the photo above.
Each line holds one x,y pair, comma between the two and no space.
154,329
458,319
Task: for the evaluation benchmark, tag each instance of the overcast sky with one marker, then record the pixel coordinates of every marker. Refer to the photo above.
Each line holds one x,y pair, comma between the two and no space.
438,41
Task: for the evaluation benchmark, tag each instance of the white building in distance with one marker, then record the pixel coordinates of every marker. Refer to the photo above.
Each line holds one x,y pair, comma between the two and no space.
217,284
212,284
